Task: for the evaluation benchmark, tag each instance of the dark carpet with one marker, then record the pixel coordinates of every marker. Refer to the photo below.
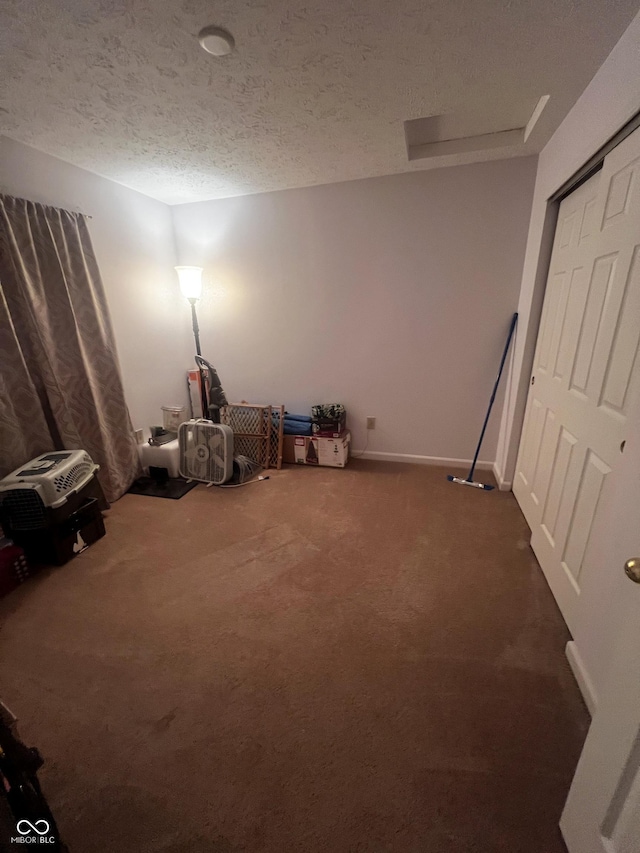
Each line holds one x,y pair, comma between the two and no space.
366,659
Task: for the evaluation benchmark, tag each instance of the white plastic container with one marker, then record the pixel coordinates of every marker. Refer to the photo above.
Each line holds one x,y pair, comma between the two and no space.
164,456
173,416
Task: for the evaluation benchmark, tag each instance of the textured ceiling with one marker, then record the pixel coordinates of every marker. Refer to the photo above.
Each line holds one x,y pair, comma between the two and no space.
312,94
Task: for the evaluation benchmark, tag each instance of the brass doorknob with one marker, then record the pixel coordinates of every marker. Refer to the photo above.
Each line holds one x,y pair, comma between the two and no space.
632,569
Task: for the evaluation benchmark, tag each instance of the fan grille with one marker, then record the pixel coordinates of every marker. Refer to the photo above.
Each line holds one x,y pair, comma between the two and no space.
206,452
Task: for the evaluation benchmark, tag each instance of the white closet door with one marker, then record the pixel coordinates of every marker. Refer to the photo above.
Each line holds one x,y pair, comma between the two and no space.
585,369
602,813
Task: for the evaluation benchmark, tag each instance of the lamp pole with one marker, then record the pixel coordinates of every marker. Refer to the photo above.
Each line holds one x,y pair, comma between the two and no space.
194,323
190,279
204,397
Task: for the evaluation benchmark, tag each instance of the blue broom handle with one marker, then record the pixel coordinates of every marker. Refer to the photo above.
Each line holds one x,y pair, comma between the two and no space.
512,328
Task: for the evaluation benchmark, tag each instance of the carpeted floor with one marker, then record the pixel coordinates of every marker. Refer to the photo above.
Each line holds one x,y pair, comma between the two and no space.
351,660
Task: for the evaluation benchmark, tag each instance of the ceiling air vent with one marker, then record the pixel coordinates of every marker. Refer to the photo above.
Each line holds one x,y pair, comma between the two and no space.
440,135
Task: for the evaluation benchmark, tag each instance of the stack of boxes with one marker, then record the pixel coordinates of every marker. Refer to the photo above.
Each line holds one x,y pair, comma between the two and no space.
328,444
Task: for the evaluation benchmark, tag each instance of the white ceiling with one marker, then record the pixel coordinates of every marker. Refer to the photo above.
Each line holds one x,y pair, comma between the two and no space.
312,94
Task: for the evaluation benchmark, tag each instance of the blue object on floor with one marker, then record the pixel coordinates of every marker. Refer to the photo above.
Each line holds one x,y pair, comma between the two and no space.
303,418
296,428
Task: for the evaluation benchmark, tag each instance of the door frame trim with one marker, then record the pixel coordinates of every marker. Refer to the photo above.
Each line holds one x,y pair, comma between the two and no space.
594,163
582,677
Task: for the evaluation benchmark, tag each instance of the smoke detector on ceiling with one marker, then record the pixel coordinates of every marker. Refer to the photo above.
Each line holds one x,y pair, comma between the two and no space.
216,41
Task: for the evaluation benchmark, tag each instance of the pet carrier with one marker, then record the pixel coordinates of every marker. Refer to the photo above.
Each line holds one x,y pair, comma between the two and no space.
49,499
43,484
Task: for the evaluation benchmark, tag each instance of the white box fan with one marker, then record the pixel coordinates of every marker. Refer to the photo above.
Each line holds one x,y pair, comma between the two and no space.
206,451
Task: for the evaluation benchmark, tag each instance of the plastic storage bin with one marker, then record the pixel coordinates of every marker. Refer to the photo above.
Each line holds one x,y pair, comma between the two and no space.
173,416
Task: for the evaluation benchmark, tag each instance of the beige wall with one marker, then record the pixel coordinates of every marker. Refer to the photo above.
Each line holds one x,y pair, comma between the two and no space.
392,295
133,239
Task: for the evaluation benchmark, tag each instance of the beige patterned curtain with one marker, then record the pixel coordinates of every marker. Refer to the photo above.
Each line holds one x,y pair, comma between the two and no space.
60,386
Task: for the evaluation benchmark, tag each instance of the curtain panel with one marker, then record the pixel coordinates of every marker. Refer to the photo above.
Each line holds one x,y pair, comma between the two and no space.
60,385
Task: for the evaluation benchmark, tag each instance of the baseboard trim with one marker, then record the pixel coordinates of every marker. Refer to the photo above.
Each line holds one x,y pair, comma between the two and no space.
582,677
416,459
503,485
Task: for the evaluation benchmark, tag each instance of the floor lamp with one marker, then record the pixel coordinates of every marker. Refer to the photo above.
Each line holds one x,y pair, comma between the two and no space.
190,279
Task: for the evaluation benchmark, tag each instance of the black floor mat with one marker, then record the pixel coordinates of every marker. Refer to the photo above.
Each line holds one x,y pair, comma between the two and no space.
174,488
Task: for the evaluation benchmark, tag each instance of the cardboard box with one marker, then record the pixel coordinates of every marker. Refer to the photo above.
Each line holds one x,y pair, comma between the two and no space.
289,449
195,395
327,452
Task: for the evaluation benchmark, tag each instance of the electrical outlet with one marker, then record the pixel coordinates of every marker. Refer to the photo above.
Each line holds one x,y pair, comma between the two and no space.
139,436
371,423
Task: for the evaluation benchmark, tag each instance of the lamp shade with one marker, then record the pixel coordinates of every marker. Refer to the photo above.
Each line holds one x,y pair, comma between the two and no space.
190,279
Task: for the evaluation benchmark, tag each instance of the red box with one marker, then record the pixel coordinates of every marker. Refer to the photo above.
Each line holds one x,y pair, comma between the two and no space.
327,433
